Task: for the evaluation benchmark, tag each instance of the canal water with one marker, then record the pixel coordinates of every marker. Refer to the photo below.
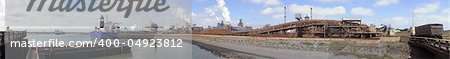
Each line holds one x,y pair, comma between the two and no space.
189,50
421,53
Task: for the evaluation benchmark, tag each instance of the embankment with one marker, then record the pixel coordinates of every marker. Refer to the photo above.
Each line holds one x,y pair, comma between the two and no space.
286,48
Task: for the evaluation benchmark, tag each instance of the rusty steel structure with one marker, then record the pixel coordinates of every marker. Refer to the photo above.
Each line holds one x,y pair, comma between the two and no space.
318,28
439,47
429,37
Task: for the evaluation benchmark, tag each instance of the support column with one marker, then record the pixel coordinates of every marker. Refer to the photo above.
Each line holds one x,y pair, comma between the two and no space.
297,32
438,42
448,45
324,31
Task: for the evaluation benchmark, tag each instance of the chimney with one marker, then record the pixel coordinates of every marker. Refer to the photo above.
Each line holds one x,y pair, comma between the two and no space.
102,22
285,14
311,14
240,24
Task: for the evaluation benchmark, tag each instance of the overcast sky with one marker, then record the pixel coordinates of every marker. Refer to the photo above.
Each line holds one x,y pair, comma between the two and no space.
17,17
257,13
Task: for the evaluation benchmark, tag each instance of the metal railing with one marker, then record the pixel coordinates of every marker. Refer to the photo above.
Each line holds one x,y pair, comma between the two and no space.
7,36
441,44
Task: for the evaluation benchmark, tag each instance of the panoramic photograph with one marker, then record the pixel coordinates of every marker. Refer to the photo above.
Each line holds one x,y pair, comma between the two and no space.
224,29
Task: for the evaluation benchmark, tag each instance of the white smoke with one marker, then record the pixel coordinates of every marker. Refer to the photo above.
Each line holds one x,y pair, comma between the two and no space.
225,12
133,27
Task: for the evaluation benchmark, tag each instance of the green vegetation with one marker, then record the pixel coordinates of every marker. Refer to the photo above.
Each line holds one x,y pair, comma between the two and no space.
336,46
365,55
447,35
368,51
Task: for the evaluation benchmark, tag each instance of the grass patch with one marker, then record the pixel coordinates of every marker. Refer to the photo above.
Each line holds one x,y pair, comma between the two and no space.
336,46
365,56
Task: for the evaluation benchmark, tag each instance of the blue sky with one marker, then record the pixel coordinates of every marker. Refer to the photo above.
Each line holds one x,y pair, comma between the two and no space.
257,13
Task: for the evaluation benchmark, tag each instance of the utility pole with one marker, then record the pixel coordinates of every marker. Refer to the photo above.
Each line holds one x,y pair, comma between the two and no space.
413,17
413,29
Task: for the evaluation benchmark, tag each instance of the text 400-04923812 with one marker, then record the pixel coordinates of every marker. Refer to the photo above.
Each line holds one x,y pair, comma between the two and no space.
141,42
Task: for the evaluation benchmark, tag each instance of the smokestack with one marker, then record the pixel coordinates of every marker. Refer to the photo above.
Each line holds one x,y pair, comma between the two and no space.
284,14
102,22
240,24
311,17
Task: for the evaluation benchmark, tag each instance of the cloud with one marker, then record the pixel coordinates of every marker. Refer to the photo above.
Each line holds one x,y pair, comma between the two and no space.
427,8
430,13
182,14
274,12
272,8
398,21
362,11
212,14
267,11
2,21
446,10
278,16
2,6
204,18
330,1
209,15
193,14
385,2
422,19
2,15
200,0
443,19
317,11
267,2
